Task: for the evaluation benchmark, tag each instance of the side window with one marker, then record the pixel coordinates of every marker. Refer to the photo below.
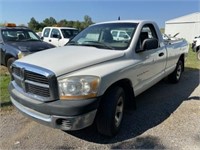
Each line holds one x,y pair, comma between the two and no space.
148,32
114,33
122,34
32,36
55,33
46,32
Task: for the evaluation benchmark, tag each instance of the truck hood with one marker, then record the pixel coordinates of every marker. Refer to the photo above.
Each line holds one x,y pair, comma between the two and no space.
66,59
31,46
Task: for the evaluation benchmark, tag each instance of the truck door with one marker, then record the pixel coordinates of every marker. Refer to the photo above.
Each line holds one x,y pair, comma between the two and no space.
152,62
55,36
45,35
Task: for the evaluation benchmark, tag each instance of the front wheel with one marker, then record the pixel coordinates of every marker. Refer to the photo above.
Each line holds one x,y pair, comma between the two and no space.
110,112
9,63
175,76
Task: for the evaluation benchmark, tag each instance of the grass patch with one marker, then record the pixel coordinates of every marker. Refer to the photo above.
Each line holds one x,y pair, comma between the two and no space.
192,61
4,95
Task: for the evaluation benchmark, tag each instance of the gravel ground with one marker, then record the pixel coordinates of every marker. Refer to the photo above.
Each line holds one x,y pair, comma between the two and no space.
167,117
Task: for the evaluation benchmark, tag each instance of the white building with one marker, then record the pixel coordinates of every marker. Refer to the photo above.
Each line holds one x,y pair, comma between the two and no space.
187,26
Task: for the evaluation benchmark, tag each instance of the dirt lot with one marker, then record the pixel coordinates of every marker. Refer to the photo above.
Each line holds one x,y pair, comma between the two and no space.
167,117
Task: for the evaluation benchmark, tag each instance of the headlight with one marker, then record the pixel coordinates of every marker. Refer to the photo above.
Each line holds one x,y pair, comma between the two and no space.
78,87
20,55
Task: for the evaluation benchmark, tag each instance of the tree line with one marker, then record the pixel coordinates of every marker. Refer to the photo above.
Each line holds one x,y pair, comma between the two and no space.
38,26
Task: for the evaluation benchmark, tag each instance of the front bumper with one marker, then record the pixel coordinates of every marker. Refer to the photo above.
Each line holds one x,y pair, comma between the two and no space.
65,115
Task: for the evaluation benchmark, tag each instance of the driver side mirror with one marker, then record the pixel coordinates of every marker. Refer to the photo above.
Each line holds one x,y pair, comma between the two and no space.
148,44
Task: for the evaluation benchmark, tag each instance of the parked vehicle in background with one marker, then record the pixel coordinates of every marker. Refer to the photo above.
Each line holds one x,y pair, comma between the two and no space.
93,77
39,34
196,46
58,36
120,35
17,42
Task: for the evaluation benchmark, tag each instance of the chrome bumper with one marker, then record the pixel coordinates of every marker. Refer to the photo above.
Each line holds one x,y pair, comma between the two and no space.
60,122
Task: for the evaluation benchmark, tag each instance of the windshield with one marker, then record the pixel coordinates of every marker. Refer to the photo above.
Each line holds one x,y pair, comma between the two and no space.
18,35
69,33
116,36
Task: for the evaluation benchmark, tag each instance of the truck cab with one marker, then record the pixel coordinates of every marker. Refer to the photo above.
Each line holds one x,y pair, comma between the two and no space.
58,36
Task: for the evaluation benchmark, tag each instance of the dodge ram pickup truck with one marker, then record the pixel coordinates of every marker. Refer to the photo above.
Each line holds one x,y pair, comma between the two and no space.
93,77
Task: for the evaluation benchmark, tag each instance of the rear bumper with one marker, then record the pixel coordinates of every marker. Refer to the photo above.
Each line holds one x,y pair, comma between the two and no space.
65,115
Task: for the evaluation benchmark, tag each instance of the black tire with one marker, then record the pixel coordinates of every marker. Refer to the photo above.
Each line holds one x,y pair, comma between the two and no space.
9,63
110,112
175,76
198,54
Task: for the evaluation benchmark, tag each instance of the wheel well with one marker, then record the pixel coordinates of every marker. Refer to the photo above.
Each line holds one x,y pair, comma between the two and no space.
128,89
6,59
198,48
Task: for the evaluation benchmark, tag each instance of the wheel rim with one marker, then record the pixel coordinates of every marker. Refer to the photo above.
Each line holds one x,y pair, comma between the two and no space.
119,111
179,70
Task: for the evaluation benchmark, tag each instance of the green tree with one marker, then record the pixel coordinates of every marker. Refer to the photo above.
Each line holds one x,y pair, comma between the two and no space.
70,24
87,21
49,21
62,23
77,25
33,24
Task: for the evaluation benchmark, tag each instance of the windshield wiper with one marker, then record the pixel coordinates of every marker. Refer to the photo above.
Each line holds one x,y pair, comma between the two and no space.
96,44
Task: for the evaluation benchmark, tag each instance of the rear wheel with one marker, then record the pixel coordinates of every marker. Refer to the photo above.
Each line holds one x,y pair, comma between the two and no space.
175,76
110,112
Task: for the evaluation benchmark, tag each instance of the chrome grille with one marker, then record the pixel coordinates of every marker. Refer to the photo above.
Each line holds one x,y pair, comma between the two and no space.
36,77
35,82
41,91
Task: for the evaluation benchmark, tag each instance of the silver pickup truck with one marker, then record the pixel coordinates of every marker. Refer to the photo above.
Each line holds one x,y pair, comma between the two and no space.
93,77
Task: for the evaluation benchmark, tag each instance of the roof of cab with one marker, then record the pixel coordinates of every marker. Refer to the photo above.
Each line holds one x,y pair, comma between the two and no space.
61,28
125,21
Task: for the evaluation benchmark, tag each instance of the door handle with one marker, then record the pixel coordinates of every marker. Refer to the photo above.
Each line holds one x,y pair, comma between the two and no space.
49,40
160,54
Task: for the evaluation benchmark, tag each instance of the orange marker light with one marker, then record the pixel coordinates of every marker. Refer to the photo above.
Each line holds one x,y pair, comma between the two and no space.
10,25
